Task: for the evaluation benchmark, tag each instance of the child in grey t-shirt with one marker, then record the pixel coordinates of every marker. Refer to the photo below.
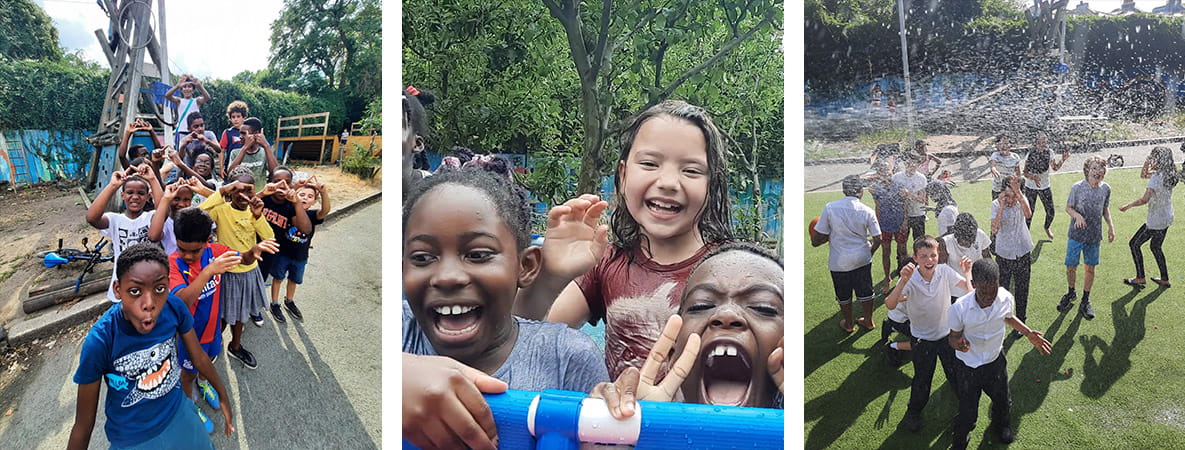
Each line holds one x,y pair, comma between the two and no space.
1088,206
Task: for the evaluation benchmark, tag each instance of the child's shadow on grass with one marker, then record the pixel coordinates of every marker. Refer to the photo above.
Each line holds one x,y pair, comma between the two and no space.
826,341
1099,375
1029,385
837,410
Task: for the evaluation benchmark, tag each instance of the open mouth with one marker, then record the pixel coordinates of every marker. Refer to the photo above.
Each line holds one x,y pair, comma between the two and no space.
727,374
457,323
664,208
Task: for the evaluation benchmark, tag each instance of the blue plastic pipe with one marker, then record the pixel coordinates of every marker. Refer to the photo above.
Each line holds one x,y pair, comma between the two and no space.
557,419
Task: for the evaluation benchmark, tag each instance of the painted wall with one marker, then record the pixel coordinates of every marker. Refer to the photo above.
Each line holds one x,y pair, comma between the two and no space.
47,155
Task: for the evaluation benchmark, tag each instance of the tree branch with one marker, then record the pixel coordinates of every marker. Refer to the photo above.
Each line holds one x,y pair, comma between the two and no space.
598,55
770,15
570,19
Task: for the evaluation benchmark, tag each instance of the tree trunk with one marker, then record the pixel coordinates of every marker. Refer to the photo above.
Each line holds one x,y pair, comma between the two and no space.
594,138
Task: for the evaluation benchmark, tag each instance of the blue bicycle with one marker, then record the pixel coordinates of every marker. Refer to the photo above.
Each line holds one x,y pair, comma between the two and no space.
92,256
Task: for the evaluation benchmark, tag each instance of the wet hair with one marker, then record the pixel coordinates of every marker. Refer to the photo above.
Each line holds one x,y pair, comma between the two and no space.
744,246
852,185
192,117
420,161
1164,163
254,123
965,228
985,269
192,225
414,101
1093,159
926,241
144,251
135,151
940,192
508,198
1001,138
715,220
237,106
291,174
1006,182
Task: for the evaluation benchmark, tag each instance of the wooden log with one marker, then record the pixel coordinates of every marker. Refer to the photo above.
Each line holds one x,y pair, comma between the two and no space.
97,274
51,298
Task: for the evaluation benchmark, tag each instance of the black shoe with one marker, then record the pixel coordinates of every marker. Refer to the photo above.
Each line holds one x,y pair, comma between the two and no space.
912,422
891,356
257,319
243,356
1067,302
1086,310
277,313
292,309
1006,433
885,329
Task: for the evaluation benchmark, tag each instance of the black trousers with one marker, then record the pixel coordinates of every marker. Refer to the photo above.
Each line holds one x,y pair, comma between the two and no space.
926,355
1014,276
1157,237
1046,196
917,227
990,378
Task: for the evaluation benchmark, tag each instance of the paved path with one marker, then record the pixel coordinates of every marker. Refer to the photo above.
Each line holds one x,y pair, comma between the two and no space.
827,177
317,385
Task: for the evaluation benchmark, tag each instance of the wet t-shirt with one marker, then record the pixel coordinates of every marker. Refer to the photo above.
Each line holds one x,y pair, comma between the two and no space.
635,299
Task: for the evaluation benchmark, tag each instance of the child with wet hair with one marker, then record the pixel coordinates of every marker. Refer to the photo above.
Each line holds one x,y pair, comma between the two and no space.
133,349
963,240
1038,165
977,322
914,184
846,225
926,286
1014,244
945,208
466,253
888,197
728,335
415,132
1158,195
1088,206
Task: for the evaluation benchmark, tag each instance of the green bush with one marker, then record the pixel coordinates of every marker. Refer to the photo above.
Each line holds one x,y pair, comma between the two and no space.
359,162
51,95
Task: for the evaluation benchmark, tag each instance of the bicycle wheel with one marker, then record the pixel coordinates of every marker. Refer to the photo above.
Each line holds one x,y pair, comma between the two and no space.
68,253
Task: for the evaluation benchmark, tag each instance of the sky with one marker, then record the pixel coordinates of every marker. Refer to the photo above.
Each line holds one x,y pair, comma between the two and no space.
215,40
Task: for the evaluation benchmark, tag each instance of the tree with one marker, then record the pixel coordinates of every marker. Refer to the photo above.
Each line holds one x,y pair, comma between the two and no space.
601,40
28,32
325,36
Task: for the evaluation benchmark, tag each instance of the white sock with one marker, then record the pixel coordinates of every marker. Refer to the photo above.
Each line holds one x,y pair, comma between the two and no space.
894,346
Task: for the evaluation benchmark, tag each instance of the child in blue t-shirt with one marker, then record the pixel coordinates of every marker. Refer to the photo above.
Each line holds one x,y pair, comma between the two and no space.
133,350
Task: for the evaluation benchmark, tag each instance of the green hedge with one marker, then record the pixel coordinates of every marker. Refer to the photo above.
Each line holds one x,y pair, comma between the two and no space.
269,105
50,95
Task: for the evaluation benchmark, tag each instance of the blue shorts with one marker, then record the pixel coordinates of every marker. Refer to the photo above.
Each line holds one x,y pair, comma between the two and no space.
212,349
186,427
1090,253
284,267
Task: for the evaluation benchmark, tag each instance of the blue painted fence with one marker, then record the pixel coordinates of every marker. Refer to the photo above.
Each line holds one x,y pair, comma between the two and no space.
33,156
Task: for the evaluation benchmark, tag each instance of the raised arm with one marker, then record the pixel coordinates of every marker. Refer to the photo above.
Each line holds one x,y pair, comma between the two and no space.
169,93
205,97
94,214
325,206
896,296
156,229
574,244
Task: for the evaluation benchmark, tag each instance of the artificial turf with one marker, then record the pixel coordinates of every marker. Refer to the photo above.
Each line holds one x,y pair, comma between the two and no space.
1117,381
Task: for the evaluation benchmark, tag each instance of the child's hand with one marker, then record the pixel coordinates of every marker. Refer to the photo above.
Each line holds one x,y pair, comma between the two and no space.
1080,222
574,241
907,271
621,396
144,170
272,188
965,264
158,155
1110,234
1039,342
117,178
443,406
775,362
225,262
170,192
1124,207
256,206
963,345
267,245
226,415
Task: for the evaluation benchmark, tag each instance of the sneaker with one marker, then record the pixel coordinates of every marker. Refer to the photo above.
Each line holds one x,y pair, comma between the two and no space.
885,330
1067,302
892,356
206,422
1086,310
278,313
209,394
243,356
292,309
257,318
1006,433
912,422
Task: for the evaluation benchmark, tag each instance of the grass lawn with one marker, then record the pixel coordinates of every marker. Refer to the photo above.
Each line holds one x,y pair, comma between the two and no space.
1113,382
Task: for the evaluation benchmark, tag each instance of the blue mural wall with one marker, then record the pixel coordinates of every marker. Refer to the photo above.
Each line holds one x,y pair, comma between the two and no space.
44,155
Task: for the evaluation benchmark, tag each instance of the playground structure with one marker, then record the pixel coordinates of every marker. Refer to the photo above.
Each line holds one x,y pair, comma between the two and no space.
557,419
308,138
130,91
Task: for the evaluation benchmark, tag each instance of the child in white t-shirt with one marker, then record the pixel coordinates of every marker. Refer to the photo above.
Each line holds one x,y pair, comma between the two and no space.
978,322
1013,242
963,240
139,185
928,295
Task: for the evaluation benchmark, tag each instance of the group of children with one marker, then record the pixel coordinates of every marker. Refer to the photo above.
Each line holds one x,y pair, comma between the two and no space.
186,271
475,289
958,312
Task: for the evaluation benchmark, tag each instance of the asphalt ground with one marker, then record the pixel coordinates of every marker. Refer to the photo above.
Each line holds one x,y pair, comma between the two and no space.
317,384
